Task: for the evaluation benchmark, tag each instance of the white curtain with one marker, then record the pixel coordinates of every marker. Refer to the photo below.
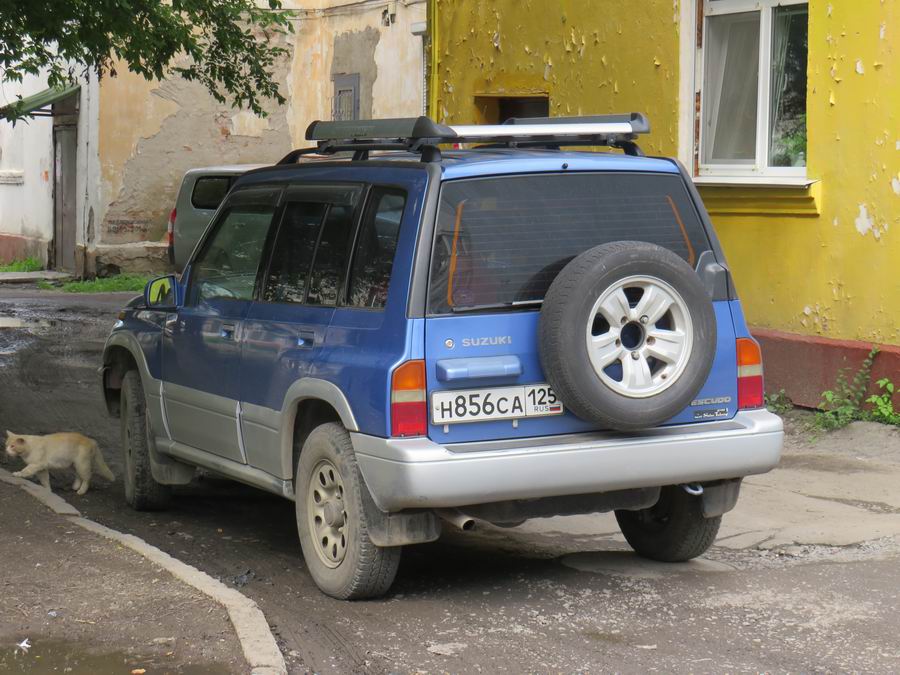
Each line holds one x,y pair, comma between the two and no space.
782,25
731,88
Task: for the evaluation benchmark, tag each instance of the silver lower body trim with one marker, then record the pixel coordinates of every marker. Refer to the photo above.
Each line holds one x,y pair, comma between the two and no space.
419,473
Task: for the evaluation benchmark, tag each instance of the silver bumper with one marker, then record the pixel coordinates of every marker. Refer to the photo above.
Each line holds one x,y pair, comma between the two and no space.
417,472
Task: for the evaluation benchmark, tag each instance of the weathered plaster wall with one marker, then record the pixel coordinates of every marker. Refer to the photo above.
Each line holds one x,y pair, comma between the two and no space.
150,133
831,272
333,39
26,179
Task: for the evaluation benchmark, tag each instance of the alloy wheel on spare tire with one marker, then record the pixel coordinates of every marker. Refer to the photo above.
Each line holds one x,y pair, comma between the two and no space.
627,335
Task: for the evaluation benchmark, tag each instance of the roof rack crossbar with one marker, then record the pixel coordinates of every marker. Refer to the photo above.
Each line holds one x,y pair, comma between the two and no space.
422,135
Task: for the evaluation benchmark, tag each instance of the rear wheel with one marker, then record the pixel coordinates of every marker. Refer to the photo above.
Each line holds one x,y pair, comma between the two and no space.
142,492
672,530
331,521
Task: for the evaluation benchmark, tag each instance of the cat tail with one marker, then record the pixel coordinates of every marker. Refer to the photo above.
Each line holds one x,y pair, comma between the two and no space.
100,465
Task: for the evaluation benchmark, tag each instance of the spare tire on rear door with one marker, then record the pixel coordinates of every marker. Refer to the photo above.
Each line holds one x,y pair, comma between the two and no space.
627,335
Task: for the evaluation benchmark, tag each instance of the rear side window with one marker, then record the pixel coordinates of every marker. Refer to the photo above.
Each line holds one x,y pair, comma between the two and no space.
209,191
375,248
293,252
332,254
311,249
502,241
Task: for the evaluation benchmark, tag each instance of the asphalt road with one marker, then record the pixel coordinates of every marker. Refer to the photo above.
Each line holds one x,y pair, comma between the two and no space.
803,578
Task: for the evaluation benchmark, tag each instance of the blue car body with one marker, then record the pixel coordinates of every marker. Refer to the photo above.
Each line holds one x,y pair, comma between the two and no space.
228,381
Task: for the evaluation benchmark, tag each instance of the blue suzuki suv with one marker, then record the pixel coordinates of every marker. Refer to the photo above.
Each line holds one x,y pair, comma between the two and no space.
396,335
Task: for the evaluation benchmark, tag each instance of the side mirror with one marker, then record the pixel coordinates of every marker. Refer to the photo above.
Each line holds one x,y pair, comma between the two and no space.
161,293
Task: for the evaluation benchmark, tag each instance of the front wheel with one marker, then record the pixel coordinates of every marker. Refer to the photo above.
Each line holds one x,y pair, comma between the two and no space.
142,492
672,530
331,521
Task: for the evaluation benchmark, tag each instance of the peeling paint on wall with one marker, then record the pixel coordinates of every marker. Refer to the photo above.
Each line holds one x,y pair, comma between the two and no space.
863,221
143,166
354,53
150,133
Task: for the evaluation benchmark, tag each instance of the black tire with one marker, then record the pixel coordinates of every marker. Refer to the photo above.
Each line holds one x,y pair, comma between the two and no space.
364,570
673,530
563,348
142,492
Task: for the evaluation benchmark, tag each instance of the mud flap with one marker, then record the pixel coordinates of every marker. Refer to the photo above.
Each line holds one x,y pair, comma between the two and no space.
398,529
165,469
720,497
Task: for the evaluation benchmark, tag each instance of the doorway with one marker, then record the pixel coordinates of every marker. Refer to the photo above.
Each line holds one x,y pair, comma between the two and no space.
65,151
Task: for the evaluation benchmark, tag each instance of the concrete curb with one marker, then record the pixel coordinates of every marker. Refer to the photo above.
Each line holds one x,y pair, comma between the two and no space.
257,642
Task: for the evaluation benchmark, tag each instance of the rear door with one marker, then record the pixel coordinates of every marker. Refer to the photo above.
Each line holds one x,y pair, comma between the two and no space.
285,328
201,351
499,243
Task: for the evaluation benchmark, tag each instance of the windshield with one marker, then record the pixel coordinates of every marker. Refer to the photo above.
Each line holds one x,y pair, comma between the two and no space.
502,241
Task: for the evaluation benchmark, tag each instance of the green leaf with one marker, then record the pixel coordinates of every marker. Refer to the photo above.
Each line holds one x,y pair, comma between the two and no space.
229,46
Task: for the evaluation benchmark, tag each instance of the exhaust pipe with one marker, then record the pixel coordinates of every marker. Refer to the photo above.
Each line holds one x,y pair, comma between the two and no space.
456,518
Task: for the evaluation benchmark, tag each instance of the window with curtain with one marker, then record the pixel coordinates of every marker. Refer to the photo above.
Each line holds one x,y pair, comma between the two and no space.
753,88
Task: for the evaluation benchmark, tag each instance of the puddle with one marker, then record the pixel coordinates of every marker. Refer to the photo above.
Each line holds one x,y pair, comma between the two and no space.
60,656
15,322
21,334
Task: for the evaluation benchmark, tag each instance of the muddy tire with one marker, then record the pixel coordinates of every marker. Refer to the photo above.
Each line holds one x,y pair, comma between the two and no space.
142,492
331,521
627,335
673,530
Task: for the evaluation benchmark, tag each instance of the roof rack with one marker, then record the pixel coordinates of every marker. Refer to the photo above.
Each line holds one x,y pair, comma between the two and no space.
423,135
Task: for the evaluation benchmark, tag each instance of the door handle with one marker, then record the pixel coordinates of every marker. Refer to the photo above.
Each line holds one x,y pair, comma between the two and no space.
226,332
171,322
306,339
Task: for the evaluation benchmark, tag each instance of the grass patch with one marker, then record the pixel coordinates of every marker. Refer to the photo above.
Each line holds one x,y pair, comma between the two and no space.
27,265
120,282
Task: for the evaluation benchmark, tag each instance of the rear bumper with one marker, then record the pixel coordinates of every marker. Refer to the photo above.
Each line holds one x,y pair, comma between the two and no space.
419,473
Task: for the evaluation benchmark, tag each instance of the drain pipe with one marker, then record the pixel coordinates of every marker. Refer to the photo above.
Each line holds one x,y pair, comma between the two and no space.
456,518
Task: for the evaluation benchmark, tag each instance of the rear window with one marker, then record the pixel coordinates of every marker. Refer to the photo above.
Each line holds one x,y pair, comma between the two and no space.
209,191
502,241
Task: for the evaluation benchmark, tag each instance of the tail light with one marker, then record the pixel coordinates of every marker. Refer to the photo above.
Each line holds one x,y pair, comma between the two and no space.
409,413
170,234
750,374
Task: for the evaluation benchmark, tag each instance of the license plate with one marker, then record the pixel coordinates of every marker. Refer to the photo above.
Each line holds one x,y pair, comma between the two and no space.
504,403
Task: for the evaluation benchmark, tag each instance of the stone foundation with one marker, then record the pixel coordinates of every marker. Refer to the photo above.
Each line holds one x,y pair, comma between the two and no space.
137,258
19,247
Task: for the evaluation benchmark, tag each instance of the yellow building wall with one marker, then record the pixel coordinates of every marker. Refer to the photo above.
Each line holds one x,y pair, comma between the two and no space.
821,261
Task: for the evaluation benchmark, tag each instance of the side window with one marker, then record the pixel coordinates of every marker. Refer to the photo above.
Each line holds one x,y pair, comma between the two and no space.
331,256
375,248
209,191
293,252
309,256
226,267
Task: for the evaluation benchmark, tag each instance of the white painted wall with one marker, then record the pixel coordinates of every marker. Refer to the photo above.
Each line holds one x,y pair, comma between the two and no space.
26,153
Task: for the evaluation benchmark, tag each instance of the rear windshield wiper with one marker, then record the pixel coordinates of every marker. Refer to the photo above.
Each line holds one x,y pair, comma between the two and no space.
497,305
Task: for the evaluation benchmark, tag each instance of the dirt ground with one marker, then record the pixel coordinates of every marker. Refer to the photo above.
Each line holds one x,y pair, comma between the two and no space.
803,576
86,604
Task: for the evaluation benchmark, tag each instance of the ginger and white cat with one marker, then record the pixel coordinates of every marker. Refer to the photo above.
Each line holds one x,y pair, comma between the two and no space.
58,451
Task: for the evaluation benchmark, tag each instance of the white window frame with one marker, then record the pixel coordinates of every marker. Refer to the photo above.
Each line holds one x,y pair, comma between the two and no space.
692,78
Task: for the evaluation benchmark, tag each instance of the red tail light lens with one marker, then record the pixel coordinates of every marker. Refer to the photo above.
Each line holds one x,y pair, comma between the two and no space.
409,412
750,374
